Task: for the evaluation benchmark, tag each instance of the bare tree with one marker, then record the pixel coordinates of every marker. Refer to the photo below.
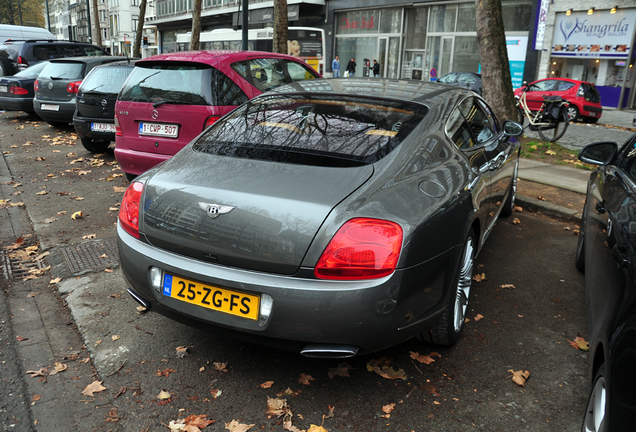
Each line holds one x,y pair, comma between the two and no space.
196,25
97,35
495,69
140,29
280,26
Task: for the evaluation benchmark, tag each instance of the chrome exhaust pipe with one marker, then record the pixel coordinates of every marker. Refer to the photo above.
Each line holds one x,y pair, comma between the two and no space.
138,299
329,351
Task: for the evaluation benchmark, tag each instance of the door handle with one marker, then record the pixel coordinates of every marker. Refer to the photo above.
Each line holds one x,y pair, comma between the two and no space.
600,207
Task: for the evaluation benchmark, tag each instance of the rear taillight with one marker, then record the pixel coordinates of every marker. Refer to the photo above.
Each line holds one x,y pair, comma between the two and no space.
17,90
73,87
361,249
581,91
129,210
210,121
36,85
117,127
22,63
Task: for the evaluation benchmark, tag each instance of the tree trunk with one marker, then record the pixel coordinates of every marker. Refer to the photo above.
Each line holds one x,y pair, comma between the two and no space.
495,69
280,27
140,29
196,25
97,37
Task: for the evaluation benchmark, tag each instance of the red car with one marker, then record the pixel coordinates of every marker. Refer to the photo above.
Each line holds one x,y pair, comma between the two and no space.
584,99
169,99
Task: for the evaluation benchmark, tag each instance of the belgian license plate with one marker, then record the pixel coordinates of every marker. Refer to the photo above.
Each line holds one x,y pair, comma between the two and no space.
4,89
218,299
159,129
103,127
49,107
593,114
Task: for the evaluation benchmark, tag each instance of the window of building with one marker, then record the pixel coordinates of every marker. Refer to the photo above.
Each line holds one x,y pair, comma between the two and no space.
442,18
416,28
135,21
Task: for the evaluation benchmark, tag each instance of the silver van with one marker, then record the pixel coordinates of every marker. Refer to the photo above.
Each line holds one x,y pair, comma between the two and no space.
16,32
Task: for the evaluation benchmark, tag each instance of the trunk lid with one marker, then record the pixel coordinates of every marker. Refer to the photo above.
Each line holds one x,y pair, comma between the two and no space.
54,79
277,208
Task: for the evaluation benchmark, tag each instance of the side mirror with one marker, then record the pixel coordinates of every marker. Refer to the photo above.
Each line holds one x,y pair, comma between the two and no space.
512,128
599,153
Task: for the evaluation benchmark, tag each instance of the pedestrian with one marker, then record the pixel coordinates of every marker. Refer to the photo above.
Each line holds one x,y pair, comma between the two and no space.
376,69
335,67
351,67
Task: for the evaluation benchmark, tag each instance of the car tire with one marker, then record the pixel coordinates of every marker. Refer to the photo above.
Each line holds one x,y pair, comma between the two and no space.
509,205
95,146
130,177
592,120
573,113
449,327
57,124
594,419
579,260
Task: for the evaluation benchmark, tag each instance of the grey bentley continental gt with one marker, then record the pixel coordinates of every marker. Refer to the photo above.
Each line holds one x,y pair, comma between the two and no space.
327,217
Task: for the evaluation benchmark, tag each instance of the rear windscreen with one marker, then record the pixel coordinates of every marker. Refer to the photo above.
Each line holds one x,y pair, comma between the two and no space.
175,83
106,79
63,70
314,130
32,71
590,93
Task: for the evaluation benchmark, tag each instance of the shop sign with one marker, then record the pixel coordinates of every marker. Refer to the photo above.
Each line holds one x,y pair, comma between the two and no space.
363,24
600,35
516,47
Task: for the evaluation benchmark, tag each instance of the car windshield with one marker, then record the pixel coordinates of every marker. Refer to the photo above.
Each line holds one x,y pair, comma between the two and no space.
313,129
62,70
32,72
169,82
106,79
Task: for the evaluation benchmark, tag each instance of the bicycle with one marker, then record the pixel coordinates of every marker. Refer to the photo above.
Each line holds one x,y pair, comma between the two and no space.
551,120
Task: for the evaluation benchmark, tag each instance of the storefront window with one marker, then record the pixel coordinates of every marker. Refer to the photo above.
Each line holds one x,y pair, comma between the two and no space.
466,54
466,21
358,48
390,20
443,19
516,14
416,28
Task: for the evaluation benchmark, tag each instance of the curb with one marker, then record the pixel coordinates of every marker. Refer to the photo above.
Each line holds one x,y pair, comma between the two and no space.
556,211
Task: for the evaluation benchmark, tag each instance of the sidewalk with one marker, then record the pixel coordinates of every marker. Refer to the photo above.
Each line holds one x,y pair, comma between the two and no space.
614,125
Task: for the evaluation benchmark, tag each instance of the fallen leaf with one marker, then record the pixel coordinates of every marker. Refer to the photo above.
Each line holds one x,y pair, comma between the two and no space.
388,409
517,209
36,398
304,379
580,343
119,189
550,152
112,415
58,367
94,387
33,293
277,407
382,367
182,351
165,372
20,338
220,366
77,215
42,192
216,393
89,236
49,220
331,412
479,277
115,337
315,428
267,384
516,221
43,372
289,392
199,421
342,370
235,426
56,280
478,317
422,358
163,395
519,377
540,198
507,286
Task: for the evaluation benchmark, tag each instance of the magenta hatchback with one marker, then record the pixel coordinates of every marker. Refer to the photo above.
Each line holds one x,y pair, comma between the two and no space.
169,99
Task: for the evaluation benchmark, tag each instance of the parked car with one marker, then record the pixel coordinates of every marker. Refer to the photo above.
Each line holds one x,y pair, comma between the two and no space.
470,80
169,99
8,31
20,54
57,86
606,252
16,92
584,99
94,118
329,217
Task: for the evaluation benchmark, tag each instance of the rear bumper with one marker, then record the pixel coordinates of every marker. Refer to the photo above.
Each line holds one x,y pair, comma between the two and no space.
591,111
83,128
17,104
65,113
369,315
136,162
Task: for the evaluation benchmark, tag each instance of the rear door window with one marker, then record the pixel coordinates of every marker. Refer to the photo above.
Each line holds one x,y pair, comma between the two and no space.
266,73
297,72
46,52
93,51
313,130
564,85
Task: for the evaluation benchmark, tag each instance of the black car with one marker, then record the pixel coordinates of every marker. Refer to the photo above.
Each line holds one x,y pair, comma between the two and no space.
16,92
57,86
94,117
606,252
22,54
470,80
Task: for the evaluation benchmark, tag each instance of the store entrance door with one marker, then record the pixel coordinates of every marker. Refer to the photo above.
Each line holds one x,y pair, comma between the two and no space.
383,43
388,56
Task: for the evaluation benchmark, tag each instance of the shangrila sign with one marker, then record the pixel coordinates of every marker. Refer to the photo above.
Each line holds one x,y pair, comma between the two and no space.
600,35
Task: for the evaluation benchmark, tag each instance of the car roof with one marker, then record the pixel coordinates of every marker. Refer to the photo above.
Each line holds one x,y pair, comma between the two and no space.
380,88
86,59
214,56
563,79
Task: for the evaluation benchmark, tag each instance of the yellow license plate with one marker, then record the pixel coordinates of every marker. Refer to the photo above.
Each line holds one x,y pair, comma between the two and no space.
218,299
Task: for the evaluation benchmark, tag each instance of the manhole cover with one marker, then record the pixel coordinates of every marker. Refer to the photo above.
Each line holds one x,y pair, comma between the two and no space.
91,256
15,267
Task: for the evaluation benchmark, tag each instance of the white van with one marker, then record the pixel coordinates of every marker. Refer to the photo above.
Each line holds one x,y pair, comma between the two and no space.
16,32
